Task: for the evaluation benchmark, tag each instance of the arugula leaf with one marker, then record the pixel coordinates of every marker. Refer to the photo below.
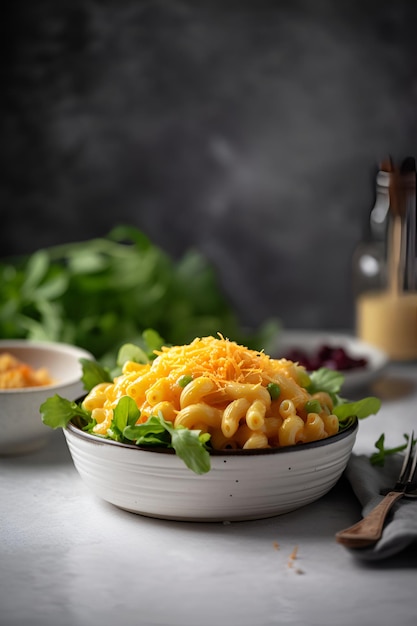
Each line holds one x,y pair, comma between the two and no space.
57,412
325,379
126,413
378,458
144,353
152,432
93,374
131,352
361,408
153,341
189,445
331,381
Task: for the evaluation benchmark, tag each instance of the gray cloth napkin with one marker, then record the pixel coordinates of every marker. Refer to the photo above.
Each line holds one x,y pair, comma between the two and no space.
367,481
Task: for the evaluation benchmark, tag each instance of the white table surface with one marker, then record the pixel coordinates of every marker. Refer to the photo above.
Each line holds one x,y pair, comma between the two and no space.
67,558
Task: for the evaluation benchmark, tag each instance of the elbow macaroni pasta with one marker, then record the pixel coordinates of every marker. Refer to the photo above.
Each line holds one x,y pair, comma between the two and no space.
227,396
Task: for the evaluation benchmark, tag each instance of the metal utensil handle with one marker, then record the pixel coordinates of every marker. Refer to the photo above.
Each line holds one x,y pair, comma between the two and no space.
369,529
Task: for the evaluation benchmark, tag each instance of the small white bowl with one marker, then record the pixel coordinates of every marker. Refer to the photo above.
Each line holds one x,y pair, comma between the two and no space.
241,484
21,427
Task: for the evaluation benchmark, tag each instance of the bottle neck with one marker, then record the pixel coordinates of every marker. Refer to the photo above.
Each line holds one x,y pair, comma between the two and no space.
378,218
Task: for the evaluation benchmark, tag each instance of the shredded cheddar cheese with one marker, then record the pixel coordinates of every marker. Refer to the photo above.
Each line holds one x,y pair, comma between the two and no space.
293,556
222,361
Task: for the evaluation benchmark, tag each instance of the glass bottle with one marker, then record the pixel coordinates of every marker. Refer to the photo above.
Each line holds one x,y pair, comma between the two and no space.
384,269
369,257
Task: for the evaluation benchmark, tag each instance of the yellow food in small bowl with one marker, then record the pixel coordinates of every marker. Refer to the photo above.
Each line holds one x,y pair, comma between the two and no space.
16,374
30,371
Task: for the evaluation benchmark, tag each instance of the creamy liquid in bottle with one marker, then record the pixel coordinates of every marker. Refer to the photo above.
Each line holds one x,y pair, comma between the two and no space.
389,321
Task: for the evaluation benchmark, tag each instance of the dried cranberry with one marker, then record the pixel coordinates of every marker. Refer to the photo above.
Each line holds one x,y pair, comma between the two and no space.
332,357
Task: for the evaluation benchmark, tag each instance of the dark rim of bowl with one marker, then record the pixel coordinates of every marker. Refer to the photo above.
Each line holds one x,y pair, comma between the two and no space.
97,439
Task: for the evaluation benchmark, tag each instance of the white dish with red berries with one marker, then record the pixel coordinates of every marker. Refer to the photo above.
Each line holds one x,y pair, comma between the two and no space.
359,362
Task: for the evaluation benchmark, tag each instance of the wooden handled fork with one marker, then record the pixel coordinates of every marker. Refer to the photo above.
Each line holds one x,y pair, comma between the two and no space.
369,530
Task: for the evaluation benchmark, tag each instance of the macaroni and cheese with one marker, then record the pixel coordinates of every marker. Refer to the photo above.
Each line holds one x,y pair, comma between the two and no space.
241,397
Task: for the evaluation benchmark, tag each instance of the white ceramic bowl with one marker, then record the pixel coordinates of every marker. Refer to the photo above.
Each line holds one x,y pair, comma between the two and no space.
241,485
21,427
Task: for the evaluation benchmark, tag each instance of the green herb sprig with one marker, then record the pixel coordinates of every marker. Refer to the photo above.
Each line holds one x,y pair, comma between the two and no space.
378,458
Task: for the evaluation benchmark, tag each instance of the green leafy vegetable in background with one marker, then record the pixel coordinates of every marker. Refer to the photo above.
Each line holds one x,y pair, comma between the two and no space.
102,293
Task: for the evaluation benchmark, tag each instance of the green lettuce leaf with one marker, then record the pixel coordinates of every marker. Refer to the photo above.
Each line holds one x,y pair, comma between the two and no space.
361,409
126,413
327,380
57,412
331,382
189,445
94,374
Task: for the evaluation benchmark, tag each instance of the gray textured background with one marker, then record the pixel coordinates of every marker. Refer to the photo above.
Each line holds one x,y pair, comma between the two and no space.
251,130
